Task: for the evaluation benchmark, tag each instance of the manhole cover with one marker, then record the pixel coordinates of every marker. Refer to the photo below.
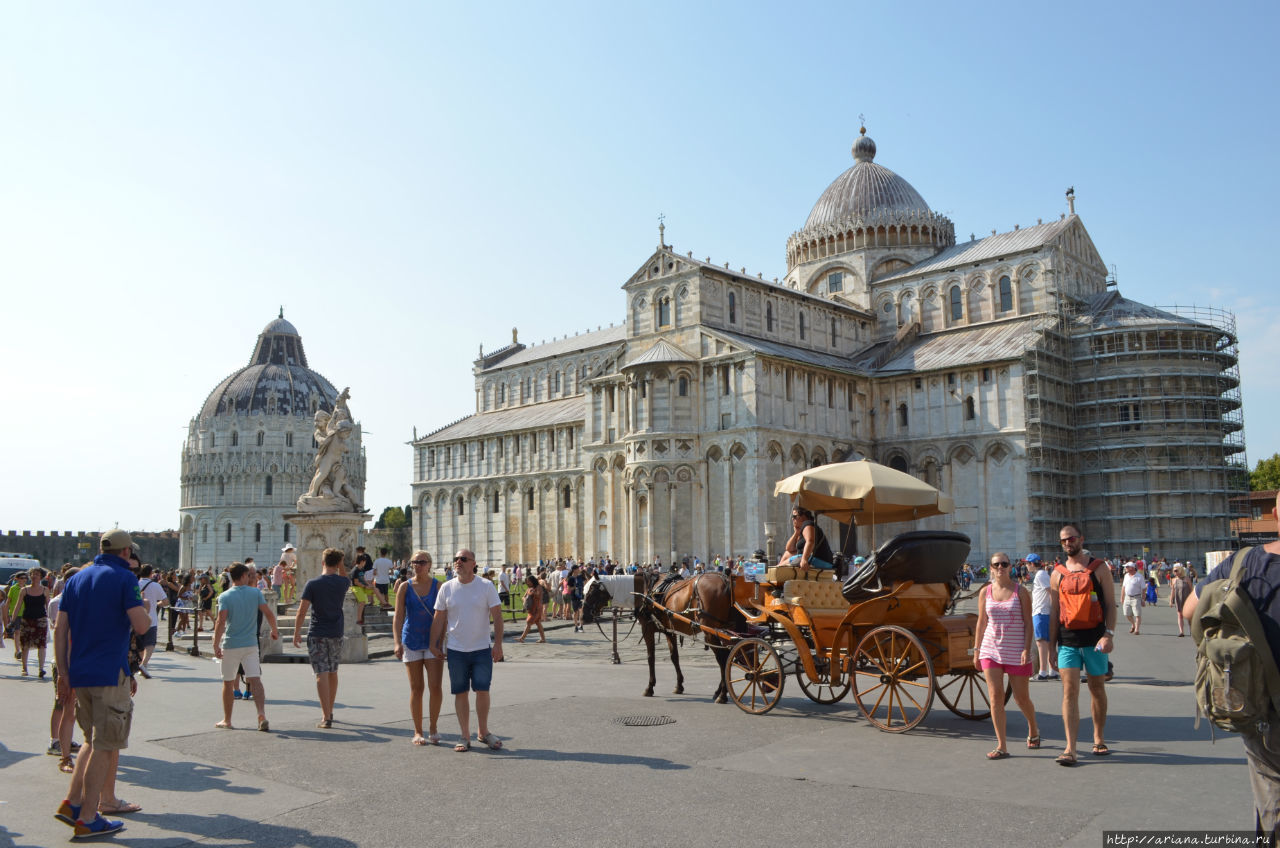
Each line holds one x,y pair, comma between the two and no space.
644,720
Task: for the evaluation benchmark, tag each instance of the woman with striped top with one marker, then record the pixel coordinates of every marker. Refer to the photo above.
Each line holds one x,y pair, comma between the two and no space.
1002,645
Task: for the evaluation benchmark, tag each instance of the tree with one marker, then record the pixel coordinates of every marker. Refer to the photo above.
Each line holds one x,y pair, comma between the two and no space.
392,518
1266,475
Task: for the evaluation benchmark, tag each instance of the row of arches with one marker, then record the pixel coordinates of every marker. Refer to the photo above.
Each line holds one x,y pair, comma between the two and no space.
934,232
954,301
546,381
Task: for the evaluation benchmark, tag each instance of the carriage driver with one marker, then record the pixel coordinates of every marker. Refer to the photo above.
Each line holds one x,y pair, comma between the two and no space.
807,548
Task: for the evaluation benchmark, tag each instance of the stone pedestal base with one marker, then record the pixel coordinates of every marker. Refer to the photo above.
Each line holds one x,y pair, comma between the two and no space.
268,646
320,530
355,645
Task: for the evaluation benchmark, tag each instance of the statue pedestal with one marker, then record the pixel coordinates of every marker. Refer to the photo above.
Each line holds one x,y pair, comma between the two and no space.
270,647
320,530
341,530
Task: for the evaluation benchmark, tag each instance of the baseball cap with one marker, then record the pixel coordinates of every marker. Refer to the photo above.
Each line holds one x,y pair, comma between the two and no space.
115,540
859,560
1130,564
1032,558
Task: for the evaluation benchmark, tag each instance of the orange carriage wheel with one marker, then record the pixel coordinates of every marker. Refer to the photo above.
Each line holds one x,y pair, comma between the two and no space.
753,675
892,678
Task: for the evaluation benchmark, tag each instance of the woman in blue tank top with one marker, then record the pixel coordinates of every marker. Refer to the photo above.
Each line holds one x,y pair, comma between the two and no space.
415,609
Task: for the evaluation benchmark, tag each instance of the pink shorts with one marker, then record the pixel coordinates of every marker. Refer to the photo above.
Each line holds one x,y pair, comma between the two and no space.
1011,670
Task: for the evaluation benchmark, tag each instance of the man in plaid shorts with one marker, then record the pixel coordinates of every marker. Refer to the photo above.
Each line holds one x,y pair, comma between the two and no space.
323,596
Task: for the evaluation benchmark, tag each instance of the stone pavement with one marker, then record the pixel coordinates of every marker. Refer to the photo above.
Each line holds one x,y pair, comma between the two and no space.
572,775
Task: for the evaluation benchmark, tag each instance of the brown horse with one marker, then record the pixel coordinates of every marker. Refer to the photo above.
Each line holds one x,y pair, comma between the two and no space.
703,599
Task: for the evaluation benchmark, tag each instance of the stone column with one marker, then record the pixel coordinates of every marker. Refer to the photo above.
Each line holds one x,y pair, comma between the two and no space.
320,530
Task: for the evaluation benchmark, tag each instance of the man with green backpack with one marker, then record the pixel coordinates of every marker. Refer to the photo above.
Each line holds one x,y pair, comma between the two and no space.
1235,621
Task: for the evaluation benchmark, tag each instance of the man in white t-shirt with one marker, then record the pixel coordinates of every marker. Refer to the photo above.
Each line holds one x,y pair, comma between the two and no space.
465,606
153,597
557,596
382,575
1134,588
1041,603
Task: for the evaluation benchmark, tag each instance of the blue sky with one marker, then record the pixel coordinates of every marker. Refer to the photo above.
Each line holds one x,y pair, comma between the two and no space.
412,180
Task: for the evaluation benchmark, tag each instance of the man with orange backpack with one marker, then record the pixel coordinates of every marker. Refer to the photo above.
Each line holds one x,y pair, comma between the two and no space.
1081,621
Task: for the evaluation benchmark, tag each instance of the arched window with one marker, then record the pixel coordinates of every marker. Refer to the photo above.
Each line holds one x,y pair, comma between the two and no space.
664,312
1006,294
801,326
267,488
768,316
228,531
257,533
528,499
970,412
957,308
286,532
555,383
902,415
898,463
235,438
569,436
222,487
682,387
733,308
565,492
502,393
288,440
261,436
204,533
497,501
833,332
461,505
213,440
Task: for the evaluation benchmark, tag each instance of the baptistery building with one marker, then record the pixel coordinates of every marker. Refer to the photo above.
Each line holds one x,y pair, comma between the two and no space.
1007,370
250,452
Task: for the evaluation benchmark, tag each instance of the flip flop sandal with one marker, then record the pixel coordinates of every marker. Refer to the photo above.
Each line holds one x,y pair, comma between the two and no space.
997,754
1066,760
66,765
1033,742
121,808
325,723
1101,750
462,747
493,743
433,738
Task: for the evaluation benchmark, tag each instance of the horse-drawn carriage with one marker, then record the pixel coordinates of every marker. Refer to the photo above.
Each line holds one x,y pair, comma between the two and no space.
888,632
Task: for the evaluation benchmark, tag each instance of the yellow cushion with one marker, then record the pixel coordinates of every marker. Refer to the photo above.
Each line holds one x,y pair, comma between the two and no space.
779,574
815,594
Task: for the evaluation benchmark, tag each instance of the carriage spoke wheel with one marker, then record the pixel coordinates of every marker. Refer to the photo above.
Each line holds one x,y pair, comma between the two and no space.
822,692
965,694
753,675
892,678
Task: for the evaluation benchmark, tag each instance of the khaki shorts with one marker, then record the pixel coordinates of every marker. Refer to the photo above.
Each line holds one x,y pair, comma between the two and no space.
105,714
233,658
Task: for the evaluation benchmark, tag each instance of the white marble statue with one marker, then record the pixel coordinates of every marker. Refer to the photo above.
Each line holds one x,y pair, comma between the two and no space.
329,490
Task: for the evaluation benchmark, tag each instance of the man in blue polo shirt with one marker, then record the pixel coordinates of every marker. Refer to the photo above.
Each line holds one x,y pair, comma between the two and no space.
100,605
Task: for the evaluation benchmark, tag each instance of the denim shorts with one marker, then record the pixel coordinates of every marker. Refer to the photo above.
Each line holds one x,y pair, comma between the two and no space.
469,670
814,562
1040,626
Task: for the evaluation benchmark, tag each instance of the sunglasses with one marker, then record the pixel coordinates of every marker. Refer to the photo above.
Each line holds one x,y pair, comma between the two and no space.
419,562
462,559
1066,539
999,565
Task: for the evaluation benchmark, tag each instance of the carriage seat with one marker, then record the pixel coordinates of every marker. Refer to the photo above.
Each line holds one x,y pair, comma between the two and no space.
923,556
780,574
815,595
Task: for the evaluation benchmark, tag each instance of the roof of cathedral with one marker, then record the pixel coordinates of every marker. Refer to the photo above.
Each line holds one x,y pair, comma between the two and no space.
991,247
1110,309
276,381
560,347
864,189
796,354
528,417
965,347
661,351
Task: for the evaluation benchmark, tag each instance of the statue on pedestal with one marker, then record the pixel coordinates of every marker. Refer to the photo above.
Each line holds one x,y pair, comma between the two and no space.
329,490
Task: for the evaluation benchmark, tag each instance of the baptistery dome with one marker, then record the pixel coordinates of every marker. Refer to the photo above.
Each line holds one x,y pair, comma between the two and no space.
276,381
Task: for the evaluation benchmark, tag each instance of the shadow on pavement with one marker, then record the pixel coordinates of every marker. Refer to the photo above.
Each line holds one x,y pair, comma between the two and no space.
547,755
225,830
179,776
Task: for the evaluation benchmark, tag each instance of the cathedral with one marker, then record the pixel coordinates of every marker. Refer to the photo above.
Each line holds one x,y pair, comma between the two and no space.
250,452
1008,371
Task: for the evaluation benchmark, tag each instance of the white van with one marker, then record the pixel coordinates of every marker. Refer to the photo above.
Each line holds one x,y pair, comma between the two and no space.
11,564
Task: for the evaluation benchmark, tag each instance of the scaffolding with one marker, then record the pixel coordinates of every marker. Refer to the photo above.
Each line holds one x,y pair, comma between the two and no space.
1157,426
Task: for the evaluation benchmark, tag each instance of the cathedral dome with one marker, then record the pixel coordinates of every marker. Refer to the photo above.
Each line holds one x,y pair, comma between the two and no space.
866,189
276,381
